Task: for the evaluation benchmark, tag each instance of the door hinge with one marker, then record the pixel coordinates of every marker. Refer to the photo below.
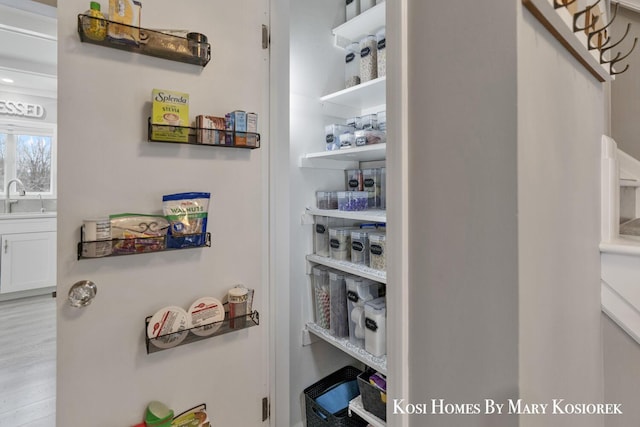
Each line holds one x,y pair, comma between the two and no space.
265,37
265,409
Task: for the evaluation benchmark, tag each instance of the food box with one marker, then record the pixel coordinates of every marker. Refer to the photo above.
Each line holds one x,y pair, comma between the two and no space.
125,12
171,109
210,130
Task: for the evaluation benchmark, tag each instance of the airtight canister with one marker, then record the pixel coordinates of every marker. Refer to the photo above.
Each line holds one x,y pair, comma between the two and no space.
368,58
375,323
353,8
352,65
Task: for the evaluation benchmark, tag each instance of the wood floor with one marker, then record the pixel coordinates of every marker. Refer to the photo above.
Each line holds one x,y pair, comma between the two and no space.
28,362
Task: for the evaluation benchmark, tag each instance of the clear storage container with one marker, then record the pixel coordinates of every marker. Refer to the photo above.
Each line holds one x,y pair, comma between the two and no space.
381,40
360,247
368,137
322,296
327,199
368,58
347,140
371,184
352,65
366,4
352,200
353,8
377,251
354,179
375,333
351,121
382,120
340,243
332,135
359,291
368,121
322,224
338,321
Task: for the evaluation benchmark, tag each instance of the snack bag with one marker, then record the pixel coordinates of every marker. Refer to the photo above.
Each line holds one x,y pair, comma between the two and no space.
136,233
187,215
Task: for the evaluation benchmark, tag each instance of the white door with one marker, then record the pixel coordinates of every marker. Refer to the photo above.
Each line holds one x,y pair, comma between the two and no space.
107,166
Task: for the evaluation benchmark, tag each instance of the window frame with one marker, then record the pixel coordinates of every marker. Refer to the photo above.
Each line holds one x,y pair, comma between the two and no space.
15,126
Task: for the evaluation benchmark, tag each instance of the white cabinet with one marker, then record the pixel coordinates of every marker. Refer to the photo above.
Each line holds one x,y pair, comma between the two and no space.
27,254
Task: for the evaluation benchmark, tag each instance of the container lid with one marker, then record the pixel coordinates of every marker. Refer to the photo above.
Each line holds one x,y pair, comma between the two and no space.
238,292
377,306
377,237
206,312
359,234
320,270
164,324
336,275
340,231
94,5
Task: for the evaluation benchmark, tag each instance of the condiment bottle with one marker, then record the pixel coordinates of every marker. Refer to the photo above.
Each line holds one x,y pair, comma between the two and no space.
237,297
94,25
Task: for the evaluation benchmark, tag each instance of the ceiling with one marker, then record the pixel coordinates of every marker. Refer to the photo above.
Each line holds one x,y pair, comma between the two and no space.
28,47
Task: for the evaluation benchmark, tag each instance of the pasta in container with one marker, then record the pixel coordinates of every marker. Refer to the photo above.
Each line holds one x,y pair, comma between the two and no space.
187,215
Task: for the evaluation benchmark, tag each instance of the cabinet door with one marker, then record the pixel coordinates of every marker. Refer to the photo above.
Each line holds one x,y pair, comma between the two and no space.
28,261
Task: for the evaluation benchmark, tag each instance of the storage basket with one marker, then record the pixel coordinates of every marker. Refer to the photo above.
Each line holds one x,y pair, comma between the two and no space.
372,397
317,416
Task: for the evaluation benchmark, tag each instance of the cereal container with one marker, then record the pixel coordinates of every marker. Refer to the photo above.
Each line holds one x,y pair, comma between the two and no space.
352,65
359,291
322,296
360,247
371,184
340,243
377,251
354,180
353,8
375,322
368,58
338,320
321,234
381,40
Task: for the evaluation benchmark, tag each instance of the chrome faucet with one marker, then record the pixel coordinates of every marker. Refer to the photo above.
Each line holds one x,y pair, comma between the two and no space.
41,203
7,200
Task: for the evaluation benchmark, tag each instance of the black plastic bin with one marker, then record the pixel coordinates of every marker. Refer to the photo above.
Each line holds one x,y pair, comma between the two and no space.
372,399
317,416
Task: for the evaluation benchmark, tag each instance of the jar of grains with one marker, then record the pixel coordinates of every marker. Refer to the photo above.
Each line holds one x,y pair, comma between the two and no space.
368,58
352,65
381,39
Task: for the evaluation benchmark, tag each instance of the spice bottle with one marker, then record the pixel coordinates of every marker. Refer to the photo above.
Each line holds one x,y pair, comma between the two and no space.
352,65
237,297
368,58
381,40
94,25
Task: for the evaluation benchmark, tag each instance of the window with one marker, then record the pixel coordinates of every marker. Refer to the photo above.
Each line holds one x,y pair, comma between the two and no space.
27,152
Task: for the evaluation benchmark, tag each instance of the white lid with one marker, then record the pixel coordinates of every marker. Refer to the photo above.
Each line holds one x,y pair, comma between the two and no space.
165,323
204,312
377,306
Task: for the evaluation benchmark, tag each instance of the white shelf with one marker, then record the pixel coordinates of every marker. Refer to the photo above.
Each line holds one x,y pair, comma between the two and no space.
373,215
348,158
349,267
365,95
357,407
362,25
377,363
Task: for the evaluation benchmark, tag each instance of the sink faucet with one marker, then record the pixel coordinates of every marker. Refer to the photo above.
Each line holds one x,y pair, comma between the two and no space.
7,200
41,203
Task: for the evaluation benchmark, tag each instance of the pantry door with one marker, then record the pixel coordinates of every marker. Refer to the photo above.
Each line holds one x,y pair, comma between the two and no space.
107,166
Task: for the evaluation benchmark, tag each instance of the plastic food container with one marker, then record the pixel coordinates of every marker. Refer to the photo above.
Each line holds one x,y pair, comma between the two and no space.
359,291
339,321
381,40
375,333
368,137
353,8
322,297
360,247
352,65
321,234
327,199
354,180
368,121
352,200
371,184
368,58
377,251
382,120
383,188
340,243
347,140
332,135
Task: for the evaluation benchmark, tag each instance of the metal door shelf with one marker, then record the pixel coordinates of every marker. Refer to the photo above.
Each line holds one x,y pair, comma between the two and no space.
187,336
195,136
152,43
141,245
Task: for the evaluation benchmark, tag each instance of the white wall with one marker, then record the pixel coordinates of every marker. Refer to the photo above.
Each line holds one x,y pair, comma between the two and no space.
560,123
